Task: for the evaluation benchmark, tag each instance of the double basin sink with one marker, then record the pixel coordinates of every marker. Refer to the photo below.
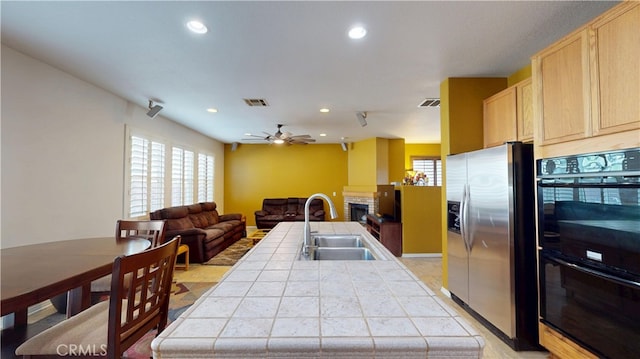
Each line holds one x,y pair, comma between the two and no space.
339,247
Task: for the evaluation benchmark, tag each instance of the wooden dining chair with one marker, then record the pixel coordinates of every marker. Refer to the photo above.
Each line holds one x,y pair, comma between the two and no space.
153,231
139,302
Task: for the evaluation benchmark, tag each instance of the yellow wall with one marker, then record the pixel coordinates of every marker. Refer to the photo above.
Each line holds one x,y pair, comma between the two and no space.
362,163
421,219
255,172
522,74
413,149
397,150
382,161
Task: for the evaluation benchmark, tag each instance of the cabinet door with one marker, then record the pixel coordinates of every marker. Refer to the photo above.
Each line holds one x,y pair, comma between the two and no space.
615,64
524,106
500,118
561,73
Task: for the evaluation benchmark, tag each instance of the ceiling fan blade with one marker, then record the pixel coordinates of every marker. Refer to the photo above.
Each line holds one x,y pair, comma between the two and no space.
287,137
300,136
302,141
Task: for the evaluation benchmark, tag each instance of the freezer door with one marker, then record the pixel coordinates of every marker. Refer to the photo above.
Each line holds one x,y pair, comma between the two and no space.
490,213
457,256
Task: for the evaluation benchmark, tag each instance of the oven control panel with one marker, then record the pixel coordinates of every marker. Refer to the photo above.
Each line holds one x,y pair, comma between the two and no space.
612,161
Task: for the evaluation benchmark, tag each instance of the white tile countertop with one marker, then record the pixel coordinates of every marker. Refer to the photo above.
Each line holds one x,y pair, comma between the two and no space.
271,304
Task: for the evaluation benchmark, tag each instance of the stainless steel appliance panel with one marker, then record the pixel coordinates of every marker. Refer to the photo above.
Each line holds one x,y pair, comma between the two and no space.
491,240
457,256
490,213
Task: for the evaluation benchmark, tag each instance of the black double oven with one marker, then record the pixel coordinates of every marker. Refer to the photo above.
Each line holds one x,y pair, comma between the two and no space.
589,249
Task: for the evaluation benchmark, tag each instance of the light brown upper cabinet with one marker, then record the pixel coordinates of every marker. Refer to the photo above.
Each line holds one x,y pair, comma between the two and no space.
562,77
615,71
499,121
508,115
588,84
524,105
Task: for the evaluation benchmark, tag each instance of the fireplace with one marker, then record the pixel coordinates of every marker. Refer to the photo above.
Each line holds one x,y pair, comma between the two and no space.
358,212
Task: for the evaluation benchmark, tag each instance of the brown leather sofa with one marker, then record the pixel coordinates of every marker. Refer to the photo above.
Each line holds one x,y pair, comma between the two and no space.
276,210
206,232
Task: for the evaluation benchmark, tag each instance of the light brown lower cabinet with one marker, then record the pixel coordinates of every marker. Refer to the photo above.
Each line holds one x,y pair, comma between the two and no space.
560,346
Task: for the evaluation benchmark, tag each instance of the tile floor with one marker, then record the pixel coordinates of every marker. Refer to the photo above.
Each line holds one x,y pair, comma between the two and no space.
429,270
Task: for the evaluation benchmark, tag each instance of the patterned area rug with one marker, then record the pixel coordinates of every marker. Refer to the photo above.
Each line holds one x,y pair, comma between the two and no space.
231,254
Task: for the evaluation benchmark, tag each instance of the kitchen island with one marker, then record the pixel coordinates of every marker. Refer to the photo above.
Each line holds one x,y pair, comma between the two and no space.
272,304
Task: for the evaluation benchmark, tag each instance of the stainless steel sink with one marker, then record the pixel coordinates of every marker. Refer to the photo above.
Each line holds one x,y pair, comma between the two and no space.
343,253
337,240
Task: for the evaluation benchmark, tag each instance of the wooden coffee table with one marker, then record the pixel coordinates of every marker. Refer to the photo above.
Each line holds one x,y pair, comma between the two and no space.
258,235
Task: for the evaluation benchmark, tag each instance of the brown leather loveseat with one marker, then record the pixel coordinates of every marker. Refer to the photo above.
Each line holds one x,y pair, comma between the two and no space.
205,231
276,210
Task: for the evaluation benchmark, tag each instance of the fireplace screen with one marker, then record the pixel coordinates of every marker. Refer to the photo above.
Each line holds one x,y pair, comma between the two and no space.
358,212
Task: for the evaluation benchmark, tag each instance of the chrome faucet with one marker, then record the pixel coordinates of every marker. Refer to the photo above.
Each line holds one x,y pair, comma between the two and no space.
307,227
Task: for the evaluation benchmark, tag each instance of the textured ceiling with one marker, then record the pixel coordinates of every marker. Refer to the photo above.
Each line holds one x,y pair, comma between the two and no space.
296,55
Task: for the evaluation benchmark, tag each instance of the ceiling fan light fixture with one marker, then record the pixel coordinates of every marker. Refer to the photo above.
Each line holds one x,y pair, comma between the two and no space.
278,141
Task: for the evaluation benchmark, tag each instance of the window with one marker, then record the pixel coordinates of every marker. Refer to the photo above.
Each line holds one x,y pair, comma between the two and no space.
431,167
146,168
182,177
205,178
157,178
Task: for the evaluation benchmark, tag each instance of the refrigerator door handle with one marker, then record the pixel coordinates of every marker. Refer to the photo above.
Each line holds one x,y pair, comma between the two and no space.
467,202
463,218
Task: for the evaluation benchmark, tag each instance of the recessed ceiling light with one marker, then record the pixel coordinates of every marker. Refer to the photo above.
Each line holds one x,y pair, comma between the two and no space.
197,27
357,32
212,110
323,135
324,110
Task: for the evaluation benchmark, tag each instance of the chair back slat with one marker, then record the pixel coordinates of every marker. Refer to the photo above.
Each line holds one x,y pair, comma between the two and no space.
140,290
153,230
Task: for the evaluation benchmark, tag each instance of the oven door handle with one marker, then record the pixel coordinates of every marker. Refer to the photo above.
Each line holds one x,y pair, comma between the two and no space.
589,185
621,281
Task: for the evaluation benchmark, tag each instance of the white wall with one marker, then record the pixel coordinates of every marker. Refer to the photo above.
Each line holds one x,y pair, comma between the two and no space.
62,148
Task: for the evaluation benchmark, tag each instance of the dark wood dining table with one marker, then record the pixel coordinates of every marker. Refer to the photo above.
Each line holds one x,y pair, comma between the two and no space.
34,273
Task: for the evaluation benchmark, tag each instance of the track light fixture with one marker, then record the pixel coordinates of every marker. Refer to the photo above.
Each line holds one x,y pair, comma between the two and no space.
362,118
153,109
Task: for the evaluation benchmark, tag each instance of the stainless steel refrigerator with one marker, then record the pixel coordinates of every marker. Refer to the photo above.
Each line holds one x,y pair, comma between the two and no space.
491,249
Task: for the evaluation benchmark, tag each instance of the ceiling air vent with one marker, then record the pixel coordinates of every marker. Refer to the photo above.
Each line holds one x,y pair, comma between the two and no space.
430,102
260,102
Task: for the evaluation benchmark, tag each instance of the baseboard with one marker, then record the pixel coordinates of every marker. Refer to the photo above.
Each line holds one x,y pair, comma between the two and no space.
421,255
445,291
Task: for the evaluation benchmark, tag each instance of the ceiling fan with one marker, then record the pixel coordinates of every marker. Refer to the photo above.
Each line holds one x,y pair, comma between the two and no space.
283,137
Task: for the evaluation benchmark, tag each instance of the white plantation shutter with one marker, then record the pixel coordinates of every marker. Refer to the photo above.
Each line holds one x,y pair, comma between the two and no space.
146,176
182,177
157,179
431,167
138,177
189,177
205,178
157,176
